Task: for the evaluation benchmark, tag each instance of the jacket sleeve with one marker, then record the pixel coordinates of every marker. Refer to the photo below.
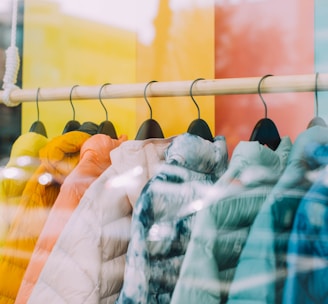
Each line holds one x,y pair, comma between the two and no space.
137,271
254,280
87,262
307,249
22,235
198,281
70,274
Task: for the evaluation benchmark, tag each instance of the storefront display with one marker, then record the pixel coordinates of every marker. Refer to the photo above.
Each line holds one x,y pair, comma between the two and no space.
198,189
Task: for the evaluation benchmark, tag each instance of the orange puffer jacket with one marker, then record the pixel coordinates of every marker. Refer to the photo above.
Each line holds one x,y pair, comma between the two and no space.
87,262
94,159
58,158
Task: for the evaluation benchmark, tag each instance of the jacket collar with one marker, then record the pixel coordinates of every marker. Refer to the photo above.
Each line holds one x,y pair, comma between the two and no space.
302,157
253,163
61,155
197,154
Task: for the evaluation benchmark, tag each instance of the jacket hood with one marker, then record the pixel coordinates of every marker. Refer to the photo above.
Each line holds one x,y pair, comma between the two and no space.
27,144
197,154
61,155
97,148
316,154
313,135
24,160
253,163
302,157
137,159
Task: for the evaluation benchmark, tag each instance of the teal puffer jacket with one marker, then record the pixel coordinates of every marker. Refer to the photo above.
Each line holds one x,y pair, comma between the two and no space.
221,229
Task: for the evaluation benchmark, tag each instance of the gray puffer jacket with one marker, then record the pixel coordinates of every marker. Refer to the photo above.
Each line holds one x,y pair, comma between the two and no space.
160,234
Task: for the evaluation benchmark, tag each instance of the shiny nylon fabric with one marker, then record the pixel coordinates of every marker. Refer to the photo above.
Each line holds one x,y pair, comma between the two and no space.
58,158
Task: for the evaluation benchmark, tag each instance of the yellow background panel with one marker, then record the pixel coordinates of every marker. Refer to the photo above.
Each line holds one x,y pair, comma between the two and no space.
63,50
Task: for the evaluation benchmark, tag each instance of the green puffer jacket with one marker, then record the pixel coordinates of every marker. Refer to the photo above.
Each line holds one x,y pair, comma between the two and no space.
221,230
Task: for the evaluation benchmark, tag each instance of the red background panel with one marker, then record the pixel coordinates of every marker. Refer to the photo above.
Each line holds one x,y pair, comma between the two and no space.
255,38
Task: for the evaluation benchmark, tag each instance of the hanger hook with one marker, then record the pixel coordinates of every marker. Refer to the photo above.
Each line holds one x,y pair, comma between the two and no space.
145,97
37,104
316,94
259,92
100,99
192,97
70,99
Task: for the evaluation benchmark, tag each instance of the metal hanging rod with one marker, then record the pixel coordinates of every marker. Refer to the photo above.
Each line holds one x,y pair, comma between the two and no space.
225,86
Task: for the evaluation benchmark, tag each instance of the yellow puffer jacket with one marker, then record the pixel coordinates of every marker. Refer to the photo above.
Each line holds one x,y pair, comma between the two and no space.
23,161
58,158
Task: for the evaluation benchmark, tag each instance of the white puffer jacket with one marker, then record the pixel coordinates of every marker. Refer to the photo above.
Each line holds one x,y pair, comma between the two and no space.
87,262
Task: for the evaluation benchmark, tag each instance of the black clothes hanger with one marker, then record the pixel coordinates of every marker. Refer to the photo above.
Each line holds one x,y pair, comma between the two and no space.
106,127
316,120
150,128
199,126
73,124
38,126
265,131
89,127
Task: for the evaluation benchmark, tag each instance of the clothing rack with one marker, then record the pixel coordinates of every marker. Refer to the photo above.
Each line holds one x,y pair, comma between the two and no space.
224,86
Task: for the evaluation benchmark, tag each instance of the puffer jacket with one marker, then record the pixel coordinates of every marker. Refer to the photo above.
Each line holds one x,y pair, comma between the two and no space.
94,159
261,270
159,236
307,254
221,229
87,262
58,159
23,161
